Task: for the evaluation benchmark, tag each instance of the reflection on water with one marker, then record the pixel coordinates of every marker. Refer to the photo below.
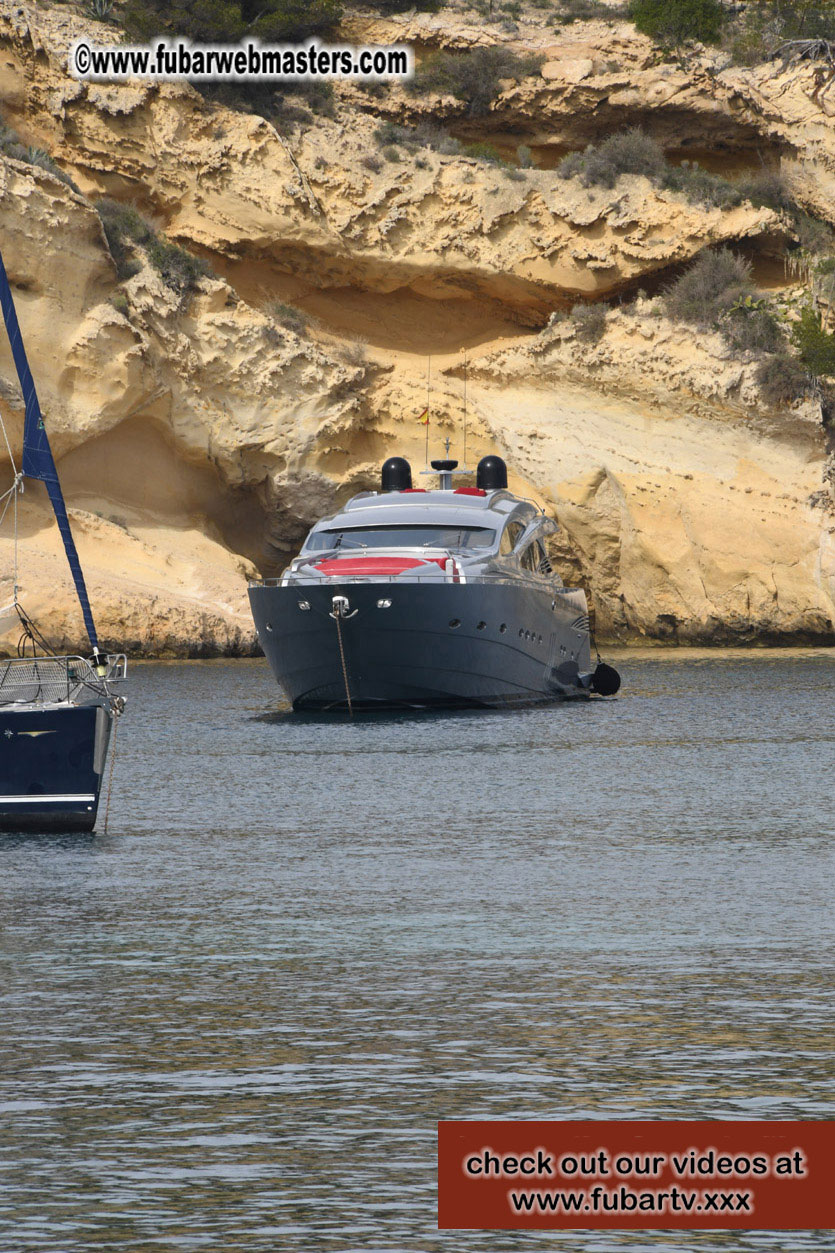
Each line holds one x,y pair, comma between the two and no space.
234,1022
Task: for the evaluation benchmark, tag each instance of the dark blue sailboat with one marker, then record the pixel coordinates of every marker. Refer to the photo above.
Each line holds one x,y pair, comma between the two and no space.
56,712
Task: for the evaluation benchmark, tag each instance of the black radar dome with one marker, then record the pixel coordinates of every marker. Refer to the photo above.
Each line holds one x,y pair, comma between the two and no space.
491,474
396,475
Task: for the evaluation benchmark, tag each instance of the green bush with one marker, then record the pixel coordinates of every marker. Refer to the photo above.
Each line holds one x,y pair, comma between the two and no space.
635,152
473,77
126,229
11,146
801,19
390,133
782,379
757,32
709,289
677,21
815,345
750,326
702,187
717,293
586,11
228,21
412,138
483,152
813,235
768,189
291,318
101,10
628,152
124,226
590,322
179,269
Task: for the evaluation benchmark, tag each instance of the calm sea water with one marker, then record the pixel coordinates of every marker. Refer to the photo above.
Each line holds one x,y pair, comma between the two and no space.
233,1022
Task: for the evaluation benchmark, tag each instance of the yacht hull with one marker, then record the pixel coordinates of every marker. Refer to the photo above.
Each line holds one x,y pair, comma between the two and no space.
52,760
436,645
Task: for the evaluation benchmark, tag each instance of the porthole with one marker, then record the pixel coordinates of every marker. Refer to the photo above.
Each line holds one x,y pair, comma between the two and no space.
454,622
304,605
527,635
268,625
521,633
503,628
540,639
481,626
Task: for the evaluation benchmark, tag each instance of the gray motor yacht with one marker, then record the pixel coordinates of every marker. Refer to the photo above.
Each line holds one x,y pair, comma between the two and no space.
415,597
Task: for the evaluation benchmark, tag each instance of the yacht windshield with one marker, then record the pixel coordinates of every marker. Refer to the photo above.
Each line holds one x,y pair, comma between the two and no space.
454,537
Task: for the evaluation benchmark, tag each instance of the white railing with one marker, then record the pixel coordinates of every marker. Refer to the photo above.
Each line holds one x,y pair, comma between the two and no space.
51,680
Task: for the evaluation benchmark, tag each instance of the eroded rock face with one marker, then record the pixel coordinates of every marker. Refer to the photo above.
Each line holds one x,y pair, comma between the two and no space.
696,514
598,77
198,438
229,183
174,424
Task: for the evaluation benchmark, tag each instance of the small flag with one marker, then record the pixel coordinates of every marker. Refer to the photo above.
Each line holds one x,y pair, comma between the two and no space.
424,417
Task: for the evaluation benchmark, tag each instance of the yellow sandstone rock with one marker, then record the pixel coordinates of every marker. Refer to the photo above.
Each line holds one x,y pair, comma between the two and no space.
198,436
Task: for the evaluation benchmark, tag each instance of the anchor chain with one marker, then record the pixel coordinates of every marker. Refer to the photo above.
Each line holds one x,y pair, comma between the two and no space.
341,605
112,764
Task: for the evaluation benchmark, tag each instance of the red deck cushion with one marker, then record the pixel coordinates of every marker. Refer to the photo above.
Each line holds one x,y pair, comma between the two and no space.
368,567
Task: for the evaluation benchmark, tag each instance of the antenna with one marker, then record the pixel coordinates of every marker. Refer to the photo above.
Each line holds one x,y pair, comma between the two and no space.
464,457
428,396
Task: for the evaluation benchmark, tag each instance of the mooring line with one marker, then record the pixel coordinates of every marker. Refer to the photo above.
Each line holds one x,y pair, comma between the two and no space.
337,617
110,774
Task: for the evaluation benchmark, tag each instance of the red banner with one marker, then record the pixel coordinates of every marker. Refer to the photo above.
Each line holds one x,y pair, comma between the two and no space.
757,1175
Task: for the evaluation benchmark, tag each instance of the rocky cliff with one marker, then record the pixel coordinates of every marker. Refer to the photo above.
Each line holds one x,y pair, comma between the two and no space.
200,430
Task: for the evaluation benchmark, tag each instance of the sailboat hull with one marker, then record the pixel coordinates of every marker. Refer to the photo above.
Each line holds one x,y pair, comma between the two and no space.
52,760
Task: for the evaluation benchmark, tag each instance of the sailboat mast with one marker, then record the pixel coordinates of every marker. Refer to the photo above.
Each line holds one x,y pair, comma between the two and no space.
38,462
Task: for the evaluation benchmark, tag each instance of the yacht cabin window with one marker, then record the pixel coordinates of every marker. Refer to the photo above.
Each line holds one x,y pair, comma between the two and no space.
510,537
531,557
347,538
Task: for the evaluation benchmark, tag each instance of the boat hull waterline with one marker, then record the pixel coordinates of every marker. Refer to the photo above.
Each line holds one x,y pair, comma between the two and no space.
434,645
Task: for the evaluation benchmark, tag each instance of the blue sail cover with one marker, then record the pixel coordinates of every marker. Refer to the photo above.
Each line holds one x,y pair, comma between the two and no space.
38,462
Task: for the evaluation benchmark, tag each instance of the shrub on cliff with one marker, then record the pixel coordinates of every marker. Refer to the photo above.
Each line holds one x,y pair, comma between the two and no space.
11,146
782,379
585,11
589,322
474,77
714,282
702,187
635,152
678,21
291,318
125,229
750,326
815,345
757,30
768,189
628,152
178,269
228,21
483,151
123,226
717,293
